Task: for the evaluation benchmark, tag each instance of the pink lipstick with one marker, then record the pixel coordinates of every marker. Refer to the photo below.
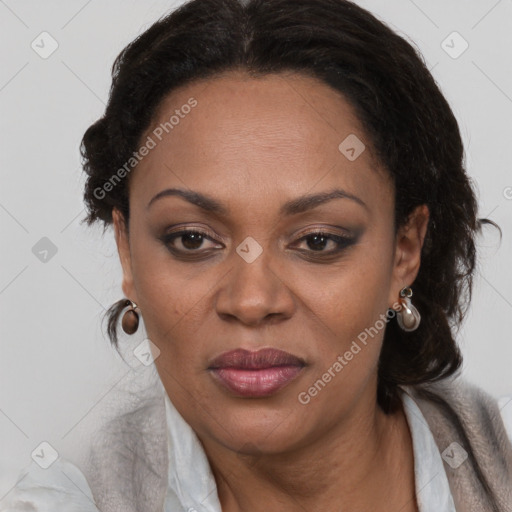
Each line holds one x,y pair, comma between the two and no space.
255,374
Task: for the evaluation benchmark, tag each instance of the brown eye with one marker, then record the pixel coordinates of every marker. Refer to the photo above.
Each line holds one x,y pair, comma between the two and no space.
192,240
319,240
186,241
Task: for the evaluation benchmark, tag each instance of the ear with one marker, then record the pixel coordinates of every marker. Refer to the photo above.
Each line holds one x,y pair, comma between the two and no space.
123,248
409,242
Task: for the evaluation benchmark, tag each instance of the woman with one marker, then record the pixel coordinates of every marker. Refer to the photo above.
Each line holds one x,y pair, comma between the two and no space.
297,231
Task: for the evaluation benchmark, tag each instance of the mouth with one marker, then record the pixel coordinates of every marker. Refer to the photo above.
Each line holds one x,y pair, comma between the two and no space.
255,374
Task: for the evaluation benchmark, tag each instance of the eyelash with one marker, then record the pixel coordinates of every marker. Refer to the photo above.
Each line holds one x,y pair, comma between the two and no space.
342,242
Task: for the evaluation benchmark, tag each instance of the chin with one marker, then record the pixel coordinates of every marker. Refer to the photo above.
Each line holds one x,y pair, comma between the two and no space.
259,430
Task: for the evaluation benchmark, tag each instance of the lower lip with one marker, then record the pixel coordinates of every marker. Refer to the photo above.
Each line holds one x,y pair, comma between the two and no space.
256,383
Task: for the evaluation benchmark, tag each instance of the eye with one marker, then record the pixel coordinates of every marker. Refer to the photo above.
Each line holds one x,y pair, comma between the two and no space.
317,241
187,240
194,243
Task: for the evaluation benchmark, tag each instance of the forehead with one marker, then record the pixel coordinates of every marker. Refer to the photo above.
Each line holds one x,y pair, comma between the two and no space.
277,134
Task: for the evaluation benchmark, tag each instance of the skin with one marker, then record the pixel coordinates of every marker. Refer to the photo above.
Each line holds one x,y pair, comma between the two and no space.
253,144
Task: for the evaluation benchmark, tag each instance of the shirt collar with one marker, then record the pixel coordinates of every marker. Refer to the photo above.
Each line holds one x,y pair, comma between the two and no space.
190,479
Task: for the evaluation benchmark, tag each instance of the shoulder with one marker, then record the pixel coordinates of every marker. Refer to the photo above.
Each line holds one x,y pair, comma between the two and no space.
466,420
61,488
456,405
126,469
128,461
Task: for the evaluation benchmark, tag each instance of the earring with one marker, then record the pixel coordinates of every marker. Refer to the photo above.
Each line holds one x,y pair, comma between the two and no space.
407,316
130,320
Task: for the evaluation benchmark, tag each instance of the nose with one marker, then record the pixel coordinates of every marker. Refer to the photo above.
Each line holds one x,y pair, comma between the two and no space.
255,293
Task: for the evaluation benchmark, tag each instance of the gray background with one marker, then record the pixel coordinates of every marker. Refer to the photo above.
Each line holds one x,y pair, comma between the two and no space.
57,370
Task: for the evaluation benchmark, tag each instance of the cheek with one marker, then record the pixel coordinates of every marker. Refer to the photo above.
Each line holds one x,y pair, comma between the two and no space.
351,315
170,299
172,307
352,295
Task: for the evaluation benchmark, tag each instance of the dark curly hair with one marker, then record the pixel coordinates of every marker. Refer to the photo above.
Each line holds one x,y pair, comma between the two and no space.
408,121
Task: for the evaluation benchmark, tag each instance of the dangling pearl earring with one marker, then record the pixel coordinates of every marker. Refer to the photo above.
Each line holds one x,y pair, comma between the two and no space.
130,320
408,316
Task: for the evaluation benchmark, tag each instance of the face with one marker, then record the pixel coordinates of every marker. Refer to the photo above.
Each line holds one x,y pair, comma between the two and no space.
280,240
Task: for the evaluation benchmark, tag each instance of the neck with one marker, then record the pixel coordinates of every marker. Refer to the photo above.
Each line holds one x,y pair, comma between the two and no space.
355,464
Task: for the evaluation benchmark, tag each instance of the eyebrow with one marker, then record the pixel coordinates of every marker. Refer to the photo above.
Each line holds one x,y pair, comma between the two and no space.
292,207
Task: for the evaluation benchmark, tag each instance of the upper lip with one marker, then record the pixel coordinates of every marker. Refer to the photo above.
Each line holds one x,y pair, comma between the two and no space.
247,360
